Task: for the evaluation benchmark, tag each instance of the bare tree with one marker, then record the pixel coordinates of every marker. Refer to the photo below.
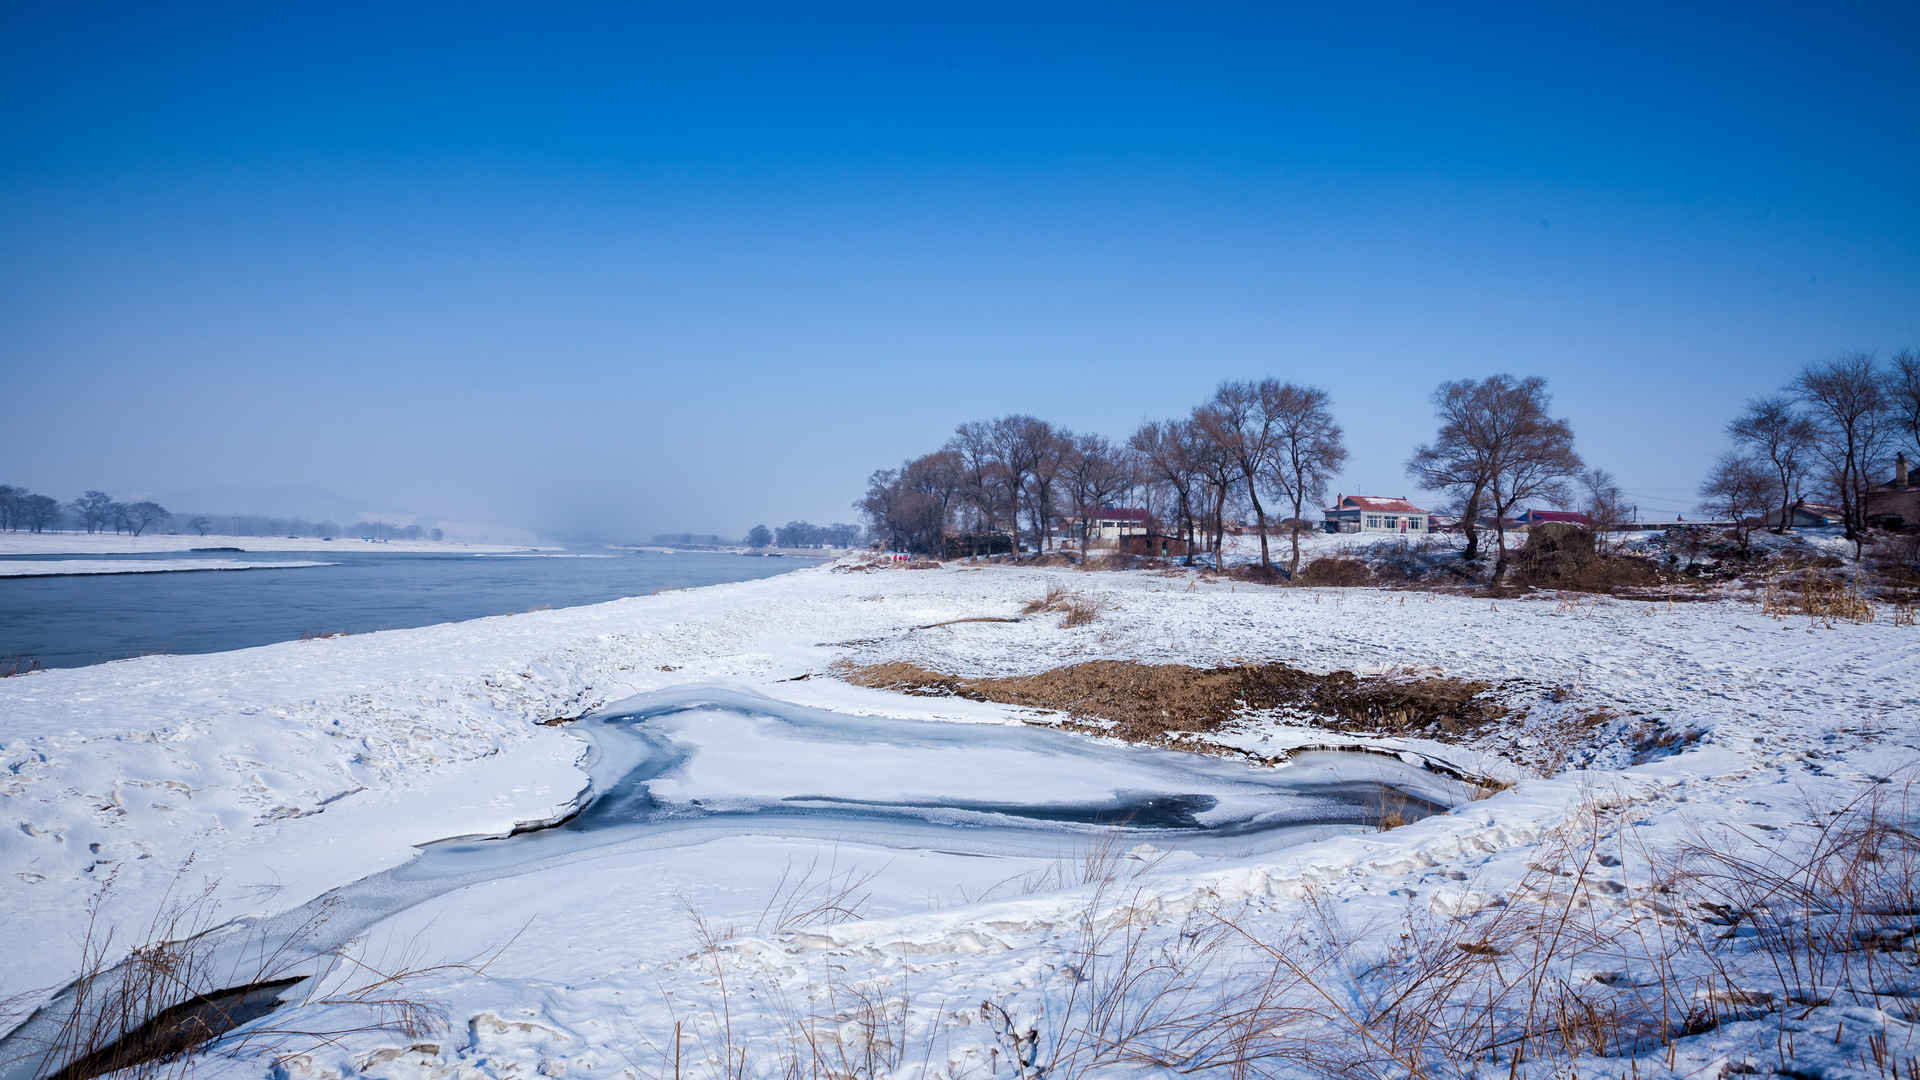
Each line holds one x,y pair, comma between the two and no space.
936,480
1773,430
1496,448
1848,401
1307,449
972,442
1053,446
200,524
40,512
1218,470
1536,461
1603,503
1903,394
1166,453
1095,471
95,509
1740,487
1239,422
142,516
1460,460
1018,442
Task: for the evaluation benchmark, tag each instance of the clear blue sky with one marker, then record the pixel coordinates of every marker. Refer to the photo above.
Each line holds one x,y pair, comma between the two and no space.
693,266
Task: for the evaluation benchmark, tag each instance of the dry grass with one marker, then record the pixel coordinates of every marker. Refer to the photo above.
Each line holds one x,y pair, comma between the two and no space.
1825,600
1145,702
147,1013
1077,609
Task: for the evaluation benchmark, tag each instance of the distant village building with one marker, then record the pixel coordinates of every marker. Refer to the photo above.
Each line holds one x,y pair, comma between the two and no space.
1153,544
1896,503
1806,515
1563,517
1376,514
1115,524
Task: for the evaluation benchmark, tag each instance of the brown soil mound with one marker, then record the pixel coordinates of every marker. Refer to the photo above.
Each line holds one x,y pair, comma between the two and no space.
1146,701
1560,556
1336,571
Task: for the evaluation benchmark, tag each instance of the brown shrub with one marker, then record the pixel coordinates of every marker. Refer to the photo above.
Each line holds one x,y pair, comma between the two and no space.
1146,701
1258,575
1560,556
1337,571
1080,612
1078,609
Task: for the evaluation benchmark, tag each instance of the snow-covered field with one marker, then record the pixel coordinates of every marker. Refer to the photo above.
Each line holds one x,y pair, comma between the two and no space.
59,567
106,543
270,776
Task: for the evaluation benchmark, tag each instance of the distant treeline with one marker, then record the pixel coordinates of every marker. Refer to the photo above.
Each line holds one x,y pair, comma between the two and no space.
691,540
798,534
1835,431
96,511
1263,446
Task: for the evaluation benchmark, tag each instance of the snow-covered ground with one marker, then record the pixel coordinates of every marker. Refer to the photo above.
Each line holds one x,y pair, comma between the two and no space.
106,543
58,567
273,775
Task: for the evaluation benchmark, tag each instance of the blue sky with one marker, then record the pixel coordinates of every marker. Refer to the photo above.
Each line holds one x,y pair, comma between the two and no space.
692,266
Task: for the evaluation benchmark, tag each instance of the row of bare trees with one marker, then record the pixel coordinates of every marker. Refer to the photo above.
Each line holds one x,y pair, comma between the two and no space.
95,511
1269,446
1830,432
1266,447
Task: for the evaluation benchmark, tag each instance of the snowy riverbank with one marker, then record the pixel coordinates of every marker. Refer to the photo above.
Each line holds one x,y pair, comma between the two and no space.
289,770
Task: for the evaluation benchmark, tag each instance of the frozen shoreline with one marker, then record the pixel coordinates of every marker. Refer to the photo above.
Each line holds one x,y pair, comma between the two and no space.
294,768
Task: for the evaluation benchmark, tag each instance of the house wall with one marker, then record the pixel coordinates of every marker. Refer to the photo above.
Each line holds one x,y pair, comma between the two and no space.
1890,503
1372,521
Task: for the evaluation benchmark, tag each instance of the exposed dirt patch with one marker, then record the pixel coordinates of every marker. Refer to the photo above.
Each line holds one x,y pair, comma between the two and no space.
1146,702
1337,571
1558,556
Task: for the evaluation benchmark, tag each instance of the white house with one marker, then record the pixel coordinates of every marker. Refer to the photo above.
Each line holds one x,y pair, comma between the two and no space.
1377,514
1116,524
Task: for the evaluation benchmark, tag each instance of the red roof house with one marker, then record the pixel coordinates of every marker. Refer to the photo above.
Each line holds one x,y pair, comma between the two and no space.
1567,517
1377,514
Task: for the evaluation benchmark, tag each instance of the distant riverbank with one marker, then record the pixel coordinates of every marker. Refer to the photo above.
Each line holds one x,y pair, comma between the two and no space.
106,543
109,613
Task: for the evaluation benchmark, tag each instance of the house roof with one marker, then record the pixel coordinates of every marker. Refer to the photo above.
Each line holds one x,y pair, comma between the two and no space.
1554,515
1380,503
1112,513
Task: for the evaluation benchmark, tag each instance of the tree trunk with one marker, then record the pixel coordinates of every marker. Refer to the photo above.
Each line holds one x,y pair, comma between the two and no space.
1471,527
1293,564
1786,501
1260,522
1220,529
